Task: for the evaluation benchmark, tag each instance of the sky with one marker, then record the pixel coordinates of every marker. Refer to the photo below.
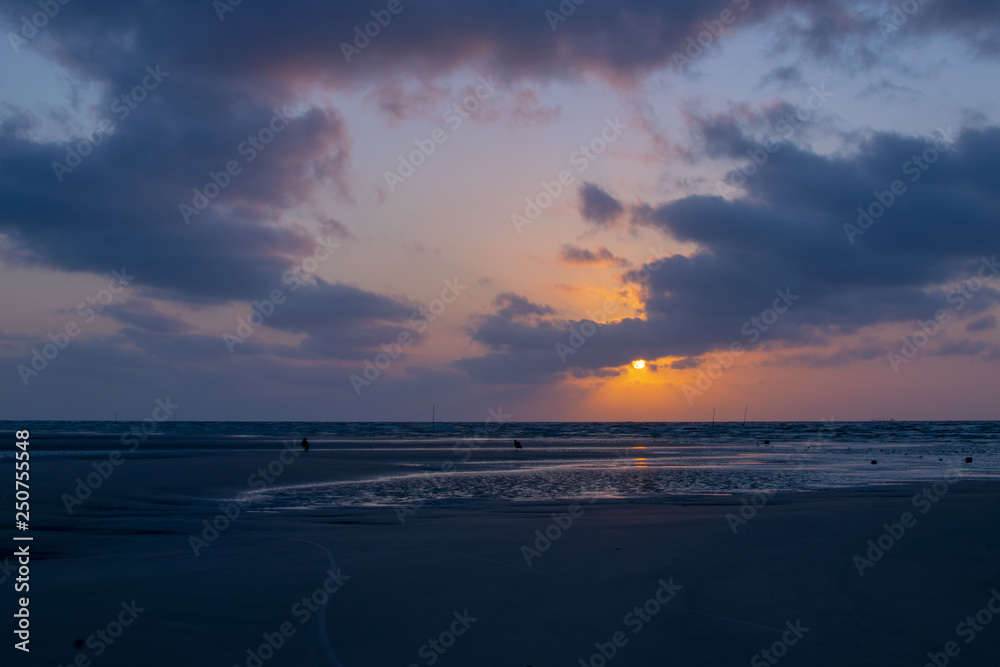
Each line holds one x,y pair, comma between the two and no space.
360,210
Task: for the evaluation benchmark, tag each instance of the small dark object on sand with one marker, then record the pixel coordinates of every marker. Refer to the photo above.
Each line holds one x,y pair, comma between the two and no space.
968,459
517,444
767,442
305,444
874,462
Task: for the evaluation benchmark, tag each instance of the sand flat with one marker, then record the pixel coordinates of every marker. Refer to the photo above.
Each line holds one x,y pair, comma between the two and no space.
403,582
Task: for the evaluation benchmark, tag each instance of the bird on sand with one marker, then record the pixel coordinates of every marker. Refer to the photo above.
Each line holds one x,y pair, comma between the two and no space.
517,445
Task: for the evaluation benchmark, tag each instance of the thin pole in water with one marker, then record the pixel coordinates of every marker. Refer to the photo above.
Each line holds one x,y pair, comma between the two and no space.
713,417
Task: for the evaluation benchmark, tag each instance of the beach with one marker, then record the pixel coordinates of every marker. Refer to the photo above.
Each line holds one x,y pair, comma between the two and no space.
470,333
176,559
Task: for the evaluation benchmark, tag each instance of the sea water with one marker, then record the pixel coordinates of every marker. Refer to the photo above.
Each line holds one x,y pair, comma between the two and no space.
412,463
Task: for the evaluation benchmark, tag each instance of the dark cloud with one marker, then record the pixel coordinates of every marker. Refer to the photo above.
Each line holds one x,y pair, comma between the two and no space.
723,134
181,350
863,36
889,91
868,36
225,77
598,206
685,363
831,359
784,76
786,243
618,39
143,314
742,131
338,322
601,257
985,323
304,39
336,229
602,373
529,367
99,377
343,322
512,306
324,305
968,348
120,206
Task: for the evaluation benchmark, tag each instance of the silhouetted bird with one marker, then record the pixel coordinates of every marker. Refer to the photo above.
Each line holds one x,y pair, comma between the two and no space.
517,444
305,444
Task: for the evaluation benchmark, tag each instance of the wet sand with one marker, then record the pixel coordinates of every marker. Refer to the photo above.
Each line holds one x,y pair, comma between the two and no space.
653,582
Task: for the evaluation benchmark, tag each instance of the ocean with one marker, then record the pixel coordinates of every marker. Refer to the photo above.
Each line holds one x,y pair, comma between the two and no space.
402,464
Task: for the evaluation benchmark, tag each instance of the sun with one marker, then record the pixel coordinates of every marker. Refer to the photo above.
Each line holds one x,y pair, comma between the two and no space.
638,364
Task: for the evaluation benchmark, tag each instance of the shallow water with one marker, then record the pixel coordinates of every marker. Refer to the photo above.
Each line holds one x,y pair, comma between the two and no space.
548,473
412,463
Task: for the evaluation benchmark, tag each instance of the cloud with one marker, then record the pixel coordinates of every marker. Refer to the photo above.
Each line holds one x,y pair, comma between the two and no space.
784,76
336,229
786,236
516,335
337,323
399,99
120,206
968,348
985,323
324,305
864,35
512,306
143,314
889,91
830,359
529,367
279,51
598,206
341,322
129,189
685,363
601,257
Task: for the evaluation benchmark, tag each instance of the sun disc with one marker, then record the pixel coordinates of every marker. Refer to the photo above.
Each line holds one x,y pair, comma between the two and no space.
638,364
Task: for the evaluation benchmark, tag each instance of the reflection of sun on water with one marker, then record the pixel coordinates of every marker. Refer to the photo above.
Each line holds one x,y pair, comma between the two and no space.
638,364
